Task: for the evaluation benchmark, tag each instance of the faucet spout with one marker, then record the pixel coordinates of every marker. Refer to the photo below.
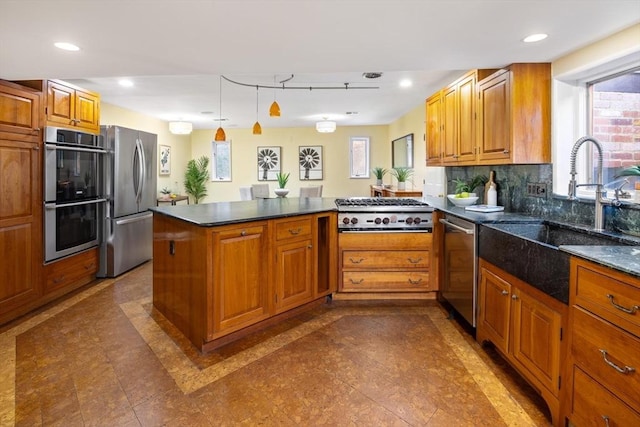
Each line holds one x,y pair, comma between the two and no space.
599,214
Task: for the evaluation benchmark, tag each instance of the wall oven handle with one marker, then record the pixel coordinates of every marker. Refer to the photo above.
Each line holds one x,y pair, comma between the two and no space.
456,226
67,205
65,148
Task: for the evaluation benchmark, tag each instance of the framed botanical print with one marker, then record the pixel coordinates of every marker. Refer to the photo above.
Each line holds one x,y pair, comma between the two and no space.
165,160
269,163
310,161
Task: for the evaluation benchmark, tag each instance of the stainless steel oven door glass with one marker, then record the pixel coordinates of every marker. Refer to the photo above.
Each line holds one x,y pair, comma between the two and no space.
71,227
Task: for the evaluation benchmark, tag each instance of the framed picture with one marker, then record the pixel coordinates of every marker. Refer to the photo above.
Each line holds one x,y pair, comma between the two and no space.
310,161
165,160
269,163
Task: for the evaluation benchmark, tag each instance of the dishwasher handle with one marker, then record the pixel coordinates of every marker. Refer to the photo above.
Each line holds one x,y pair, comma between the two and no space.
456,226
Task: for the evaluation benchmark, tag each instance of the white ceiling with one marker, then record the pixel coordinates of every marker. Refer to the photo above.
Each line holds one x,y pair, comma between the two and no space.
175,50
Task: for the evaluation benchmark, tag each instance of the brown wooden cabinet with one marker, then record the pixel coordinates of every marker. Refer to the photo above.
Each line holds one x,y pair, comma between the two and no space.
398,263
20,200
218,283
604,346
434,129
71,272
514,115
69,106
294,268
382,191
526,327
240,277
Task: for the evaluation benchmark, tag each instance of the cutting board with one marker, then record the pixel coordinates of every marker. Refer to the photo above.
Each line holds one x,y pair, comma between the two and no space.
484,208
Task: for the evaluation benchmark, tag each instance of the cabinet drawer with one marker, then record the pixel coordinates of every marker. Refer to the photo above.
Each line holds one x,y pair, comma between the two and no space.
592,403
291,229
385,280
76,270
598,345
385,259
611,295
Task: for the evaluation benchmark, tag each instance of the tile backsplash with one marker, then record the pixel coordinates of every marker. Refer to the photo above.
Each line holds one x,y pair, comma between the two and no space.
512,183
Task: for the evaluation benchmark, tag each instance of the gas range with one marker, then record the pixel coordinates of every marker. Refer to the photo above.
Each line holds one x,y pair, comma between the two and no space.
384,214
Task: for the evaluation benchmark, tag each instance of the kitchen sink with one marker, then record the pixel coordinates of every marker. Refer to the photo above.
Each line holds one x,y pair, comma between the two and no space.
530,251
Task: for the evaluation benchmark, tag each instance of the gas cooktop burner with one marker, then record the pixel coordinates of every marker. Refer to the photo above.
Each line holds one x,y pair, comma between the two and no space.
381,204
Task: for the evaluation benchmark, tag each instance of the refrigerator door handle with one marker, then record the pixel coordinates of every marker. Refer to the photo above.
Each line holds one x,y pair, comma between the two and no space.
138,171
130,220
143,169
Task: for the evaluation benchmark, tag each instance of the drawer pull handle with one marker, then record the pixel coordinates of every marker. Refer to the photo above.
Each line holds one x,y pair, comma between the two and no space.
58,279
631,310
356,261
89,266
414,261
356,282
626,370
296,231
415,282
606,420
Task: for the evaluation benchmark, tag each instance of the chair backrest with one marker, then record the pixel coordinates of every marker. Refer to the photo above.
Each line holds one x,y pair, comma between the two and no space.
313,191
246,193
260,191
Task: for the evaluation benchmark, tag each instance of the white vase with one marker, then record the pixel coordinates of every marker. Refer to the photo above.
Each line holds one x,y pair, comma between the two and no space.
379,182
402,186
281,192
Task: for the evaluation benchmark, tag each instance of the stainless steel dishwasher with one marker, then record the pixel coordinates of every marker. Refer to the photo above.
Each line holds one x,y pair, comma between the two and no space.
460,266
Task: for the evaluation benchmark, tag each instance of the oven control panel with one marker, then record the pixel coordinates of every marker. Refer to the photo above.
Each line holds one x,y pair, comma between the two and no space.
385,221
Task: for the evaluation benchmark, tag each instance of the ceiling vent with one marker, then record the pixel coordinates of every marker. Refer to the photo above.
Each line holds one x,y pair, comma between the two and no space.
372,75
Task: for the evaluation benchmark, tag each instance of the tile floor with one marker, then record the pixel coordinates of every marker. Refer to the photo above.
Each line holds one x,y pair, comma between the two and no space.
104,357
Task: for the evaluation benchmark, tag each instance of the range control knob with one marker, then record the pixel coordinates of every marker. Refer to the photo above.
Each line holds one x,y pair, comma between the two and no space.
409,220
417,221
354,221
345,220
385,220
377,220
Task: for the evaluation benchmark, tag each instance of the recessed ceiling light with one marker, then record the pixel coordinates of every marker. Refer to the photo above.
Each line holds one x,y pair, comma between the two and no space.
406,83
66,46
125,82
534,38
351,113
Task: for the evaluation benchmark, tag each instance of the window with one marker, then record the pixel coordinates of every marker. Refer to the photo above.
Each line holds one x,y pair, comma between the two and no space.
221,165
614,120
359,157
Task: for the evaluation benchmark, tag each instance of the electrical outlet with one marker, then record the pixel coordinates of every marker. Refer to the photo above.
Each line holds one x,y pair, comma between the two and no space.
536,189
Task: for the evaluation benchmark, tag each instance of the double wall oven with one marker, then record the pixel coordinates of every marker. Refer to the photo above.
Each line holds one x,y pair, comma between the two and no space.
73,189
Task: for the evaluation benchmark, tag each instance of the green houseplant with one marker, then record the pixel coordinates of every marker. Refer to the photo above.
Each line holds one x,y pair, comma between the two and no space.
402,174
463,188
282,178
379,173
195,178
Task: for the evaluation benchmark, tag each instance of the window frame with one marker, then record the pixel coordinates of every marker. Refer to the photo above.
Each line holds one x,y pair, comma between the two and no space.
215,146
352,173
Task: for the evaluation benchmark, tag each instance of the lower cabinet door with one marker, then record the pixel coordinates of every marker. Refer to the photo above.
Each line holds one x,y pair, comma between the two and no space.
494,313
294,281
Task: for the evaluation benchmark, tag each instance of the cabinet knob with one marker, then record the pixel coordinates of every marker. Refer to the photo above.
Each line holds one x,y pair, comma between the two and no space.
504,292
243,233
514,297
505,152
310,246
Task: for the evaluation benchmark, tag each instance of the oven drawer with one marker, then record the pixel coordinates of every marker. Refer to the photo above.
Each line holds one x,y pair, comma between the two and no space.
71,271
609,354
385,259
389,281
612,296
293,229
591,403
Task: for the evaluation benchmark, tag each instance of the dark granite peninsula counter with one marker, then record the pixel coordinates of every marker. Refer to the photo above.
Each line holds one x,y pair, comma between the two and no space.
223,270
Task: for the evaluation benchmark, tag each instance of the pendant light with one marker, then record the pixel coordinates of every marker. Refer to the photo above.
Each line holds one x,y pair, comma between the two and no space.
220,135
274,110
257,129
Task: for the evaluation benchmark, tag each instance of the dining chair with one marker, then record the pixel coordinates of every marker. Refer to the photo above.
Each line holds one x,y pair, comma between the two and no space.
312,191
246,193
260,191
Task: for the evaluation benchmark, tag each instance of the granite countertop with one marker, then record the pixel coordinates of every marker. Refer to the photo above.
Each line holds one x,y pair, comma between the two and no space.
621,258
222,213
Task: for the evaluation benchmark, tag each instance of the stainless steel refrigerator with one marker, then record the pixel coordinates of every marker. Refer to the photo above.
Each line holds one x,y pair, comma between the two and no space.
130,173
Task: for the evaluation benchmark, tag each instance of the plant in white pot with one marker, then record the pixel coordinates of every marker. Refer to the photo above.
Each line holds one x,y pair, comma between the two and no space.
282,178
402,174
379,173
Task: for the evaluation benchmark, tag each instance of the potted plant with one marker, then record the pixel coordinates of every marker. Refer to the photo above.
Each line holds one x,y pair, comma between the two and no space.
282,178
379,173
195,178
402,174
465,188
166,193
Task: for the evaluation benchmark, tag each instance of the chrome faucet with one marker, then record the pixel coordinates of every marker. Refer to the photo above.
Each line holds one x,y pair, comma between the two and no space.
599,215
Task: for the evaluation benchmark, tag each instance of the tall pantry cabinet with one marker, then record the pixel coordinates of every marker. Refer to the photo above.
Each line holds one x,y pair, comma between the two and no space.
20,198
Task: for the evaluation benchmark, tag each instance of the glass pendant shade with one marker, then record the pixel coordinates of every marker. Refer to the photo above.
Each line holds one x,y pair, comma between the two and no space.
180,128
220,135
274,110
257,129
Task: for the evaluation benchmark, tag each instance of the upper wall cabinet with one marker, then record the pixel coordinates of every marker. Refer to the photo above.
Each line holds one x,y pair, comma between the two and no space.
69,106
514,115
491,117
